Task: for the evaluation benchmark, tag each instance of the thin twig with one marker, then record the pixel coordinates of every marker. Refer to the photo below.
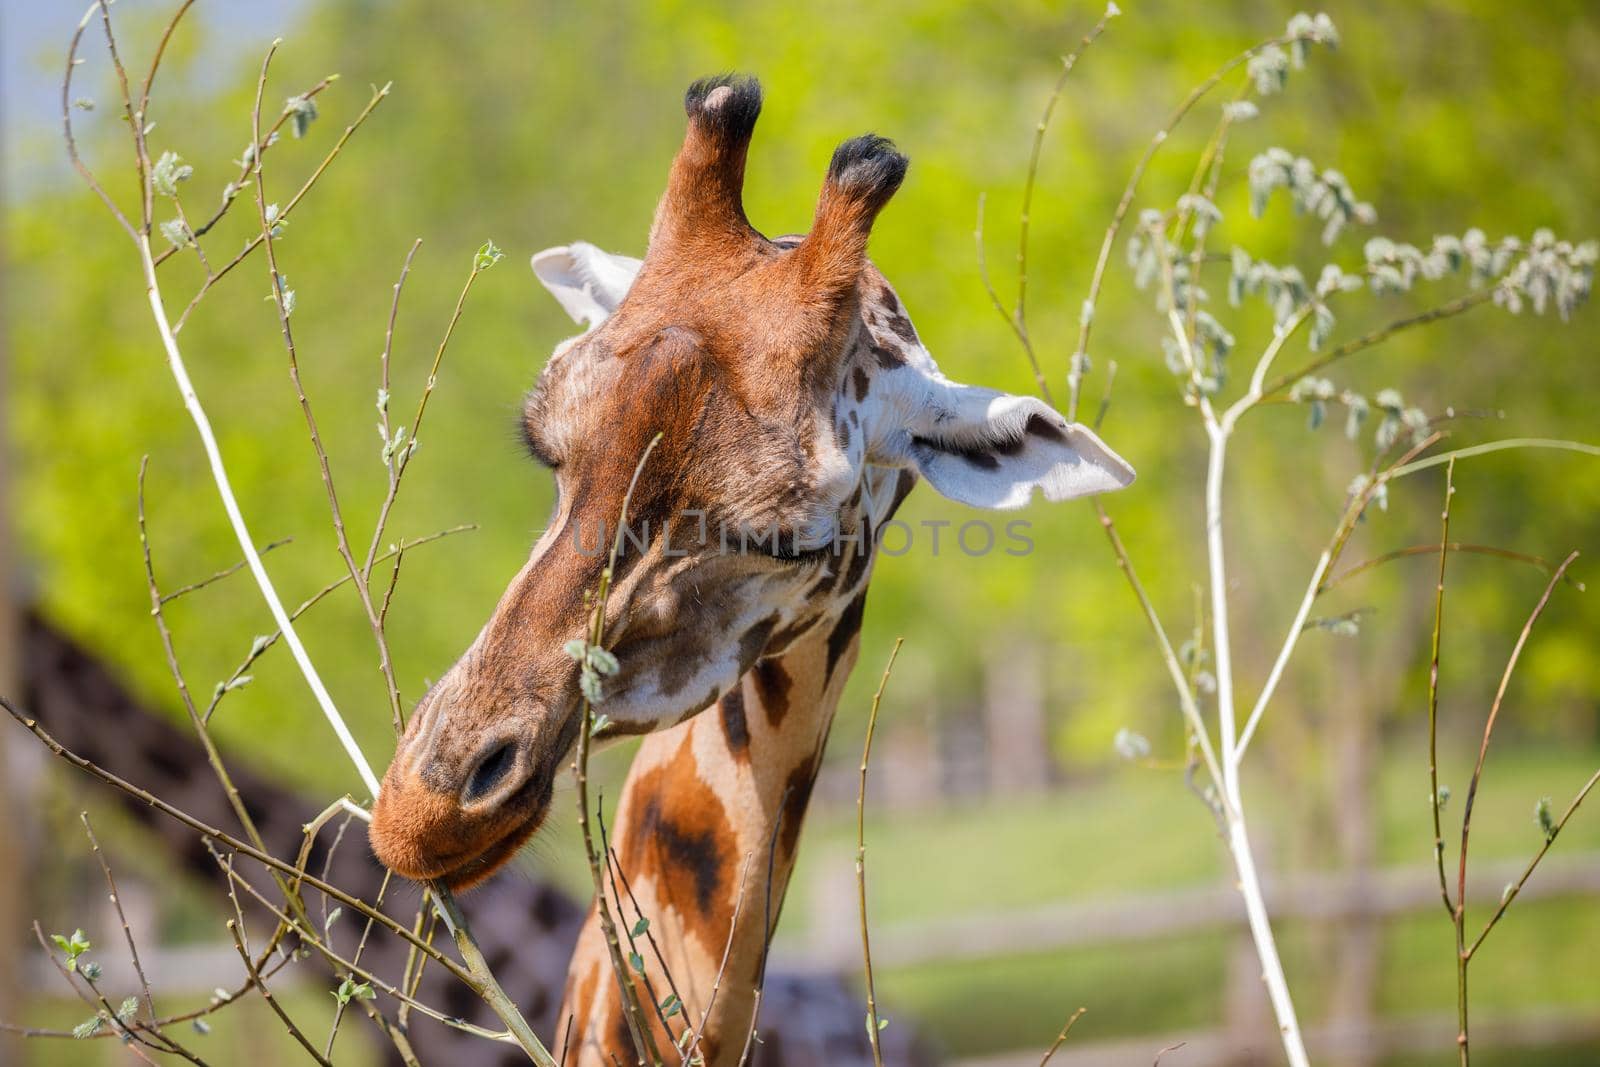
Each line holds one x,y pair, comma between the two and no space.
122,917
396,461
751,1036
613,865
78,164
873,1024
241,531
232,190
691,1048
222,837
135,1041
361,945
1550,839
486,985
136,126
1086,318
1459,547
638,1028
268,640
272,1002
1496,446
280,302
311,939
213,756
1062,1036
160,53
226,572
1383,333
1494,715
1017,317
618,874
1329,558
1186,699
1459,913
283,215
1433,692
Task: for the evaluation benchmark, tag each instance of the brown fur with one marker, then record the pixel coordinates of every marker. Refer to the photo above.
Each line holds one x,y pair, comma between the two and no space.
736,351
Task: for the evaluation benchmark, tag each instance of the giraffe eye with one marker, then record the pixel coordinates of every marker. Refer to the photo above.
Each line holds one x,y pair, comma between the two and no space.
796,549
535,445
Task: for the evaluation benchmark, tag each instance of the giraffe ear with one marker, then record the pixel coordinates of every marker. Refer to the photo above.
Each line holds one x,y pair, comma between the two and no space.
992,449
585,281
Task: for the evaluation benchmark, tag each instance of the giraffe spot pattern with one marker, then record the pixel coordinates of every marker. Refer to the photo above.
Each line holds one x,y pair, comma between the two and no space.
772,685
735,727
685,843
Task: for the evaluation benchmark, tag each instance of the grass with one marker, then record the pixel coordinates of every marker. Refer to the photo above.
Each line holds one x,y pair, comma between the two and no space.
1141,831
1127,830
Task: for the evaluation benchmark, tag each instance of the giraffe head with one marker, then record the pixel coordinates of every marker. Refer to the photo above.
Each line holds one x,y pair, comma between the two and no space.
795,407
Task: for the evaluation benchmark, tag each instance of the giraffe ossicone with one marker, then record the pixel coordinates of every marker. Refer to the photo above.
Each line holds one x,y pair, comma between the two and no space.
792,395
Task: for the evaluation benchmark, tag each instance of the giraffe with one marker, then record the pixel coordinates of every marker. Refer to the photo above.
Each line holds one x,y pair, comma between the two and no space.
796,407
528,927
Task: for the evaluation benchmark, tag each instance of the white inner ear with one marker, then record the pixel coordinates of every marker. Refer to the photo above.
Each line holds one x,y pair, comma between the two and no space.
993,450
587,282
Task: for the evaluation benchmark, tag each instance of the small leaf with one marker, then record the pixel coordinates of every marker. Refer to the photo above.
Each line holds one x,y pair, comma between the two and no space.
1131,745
576,649
167,172
641,926
486,257
201,1027
176,233
671,1006
89,1027
91,971
304,112
1543,816
604,663
128,1008
600,723
275,225
1240,110
636,961
1356,410
1316,414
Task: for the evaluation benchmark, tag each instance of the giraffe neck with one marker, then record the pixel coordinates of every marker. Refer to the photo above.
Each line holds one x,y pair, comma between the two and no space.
705,836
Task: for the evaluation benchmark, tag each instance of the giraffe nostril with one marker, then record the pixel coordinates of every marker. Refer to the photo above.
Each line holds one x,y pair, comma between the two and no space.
494,767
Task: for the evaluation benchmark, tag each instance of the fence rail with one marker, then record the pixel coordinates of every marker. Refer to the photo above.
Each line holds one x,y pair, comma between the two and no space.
1353,1035
1146,916
1334,1044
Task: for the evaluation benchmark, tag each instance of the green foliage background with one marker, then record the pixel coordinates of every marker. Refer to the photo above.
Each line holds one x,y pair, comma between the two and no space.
540,123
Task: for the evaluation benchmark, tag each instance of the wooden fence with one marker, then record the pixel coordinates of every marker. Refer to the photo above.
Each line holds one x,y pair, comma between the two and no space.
1353,1035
